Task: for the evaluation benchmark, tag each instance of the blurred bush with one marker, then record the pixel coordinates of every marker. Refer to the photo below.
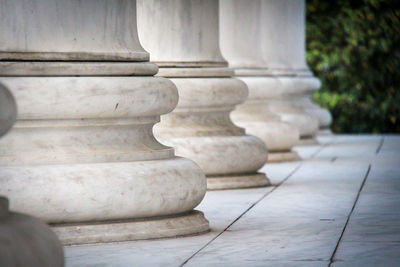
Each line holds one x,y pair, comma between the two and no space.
354,48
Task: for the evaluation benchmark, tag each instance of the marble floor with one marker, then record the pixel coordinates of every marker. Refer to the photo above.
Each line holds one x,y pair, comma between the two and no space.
340,206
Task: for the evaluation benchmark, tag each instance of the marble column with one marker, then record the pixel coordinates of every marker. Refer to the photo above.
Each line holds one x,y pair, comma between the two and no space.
241,45
306,82
82,155
184,44
282,34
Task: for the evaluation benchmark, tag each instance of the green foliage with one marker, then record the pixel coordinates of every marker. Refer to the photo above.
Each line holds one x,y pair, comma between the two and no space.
354,48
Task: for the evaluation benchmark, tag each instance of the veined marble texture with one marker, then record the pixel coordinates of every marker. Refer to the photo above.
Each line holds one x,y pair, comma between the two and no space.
184,44
59,30
283,38
241,45
82,155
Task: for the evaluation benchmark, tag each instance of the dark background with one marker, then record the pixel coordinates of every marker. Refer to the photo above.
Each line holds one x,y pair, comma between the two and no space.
353,48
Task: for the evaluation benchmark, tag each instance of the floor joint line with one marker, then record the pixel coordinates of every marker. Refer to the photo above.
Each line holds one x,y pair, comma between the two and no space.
331,260
243,213
380,145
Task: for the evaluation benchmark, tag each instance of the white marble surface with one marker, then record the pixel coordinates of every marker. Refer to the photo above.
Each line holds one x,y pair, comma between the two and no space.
184,44
296,222
82,154
70,30
240,43
283,39
368,254
178,36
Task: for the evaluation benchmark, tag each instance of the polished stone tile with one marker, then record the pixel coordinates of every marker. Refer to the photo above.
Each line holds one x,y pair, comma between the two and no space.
277,172
377,214
307,152
138,253
368,254
357,138
299,223
378,203
391,144
372,236
294,239
354,152
220,207
351,147
387,158
323,190
326,139
384,178
301,220
264,263
373,228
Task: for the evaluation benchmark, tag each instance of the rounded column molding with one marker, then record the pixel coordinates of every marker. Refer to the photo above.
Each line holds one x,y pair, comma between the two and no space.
185,45
241,45
284,49
82,155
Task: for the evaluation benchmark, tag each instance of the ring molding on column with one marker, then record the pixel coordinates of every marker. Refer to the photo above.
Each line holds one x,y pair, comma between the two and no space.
113,187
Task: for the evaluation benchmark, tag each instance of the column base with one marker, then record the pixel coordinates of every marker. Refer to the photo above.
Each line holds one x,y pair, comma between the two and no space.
308,141
190,223
283,156
237,182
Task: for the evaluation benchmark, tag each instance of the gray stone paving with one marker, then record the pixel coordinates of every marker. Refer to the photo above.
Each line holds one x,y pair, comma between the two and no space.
340,206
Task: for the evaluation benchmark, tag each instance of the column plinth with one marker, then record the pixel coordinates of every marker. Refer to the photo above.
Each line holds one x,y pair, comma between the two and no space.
200,127
82,155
